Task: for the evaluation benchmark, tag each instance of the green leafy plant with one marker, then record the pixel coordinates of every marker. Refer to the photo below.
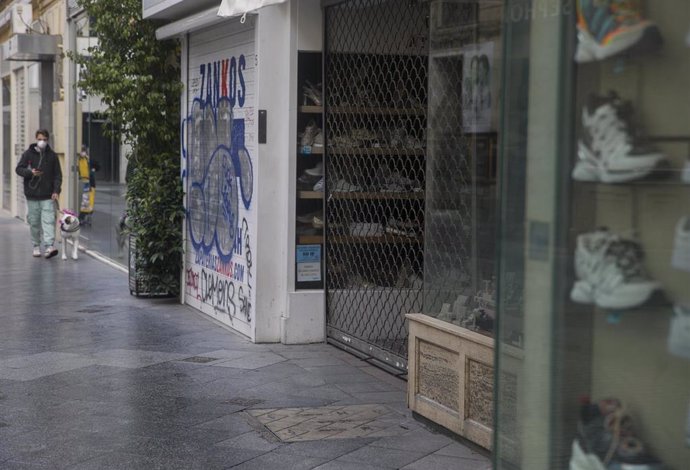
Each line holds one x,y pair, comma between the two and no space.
138,78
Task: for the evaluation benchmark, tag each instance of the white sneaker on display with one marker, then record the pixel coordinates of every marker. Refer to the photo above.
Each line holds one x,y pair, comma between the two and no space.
681,245
318,187
685,174
366,229
316,171
342,186
318,139
607,151
610,273
679,332
308,135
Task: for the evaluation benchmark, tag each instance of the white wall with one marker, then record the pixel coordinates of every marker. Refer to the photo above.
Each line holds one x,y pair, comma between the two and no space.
305,318
273,51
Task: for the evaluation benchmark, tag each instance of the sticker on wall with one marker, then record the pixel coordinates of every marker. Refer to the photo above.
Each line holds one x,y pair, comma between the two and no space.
308,263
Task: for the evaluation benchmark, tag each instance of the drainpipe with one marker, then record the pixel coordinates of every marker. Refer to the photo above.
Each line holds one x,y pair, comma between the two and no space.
70,97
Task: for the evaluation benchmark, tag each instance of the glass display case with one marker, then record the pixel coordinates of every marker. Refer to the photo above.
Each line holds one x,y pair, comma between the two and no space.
594,244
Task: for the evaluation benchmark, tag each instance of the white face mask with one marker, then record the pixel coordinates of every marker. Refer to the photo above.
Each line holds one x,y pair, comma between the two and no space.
41,144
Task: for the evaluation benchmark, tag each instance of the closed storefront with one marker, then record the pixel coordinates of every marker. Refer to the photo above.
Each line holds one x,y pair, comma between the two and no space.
219,151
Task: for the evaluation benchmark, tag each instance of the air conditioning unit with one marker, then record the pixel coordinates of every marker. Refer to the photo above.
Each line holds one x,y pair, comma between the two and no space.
22,16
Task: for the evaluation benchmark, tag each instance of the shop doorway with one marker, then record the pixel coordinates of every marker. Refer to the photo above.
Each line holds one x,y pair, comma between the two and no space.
376,79
103,150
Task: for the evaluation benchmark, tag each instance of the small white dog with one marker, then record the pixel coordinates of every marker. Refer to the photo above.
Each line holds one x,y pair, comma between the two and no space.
69,229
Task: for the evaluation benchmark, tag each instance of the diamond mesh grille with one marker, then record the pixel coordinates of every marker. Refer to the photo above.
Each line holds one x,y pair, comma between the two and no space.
376,65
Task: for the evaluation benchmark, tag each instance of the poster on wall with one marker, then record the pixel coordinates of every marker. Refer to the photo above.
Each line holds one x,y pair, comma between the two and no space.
477,96
219,164
308,263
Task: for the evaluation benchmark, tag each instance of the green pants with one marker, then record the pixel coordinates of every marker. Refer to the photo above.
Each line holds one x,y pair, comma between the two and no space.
41,218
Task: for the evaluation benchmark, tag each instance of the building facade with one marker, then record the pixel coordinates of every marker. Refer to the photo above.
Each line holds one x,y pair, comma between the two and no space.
424,184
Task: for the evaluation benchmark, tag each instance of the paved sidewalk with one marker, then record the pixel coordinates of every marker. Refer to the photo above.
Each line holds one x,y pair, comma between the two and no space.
92,378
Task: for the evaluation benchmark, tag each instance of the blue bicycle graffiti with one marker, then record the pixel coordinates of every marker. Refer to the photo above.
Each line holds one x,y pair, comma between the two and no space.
219,173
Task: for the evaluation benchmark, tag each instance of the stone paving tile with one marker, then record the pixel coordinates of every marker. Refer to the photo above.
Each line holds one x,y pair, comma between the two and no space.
442,462
381,397
125,461
321,361
59,457
279,460
234,424
250,440
133,358
42,369
340,465
330,449
252,361
419,440
458,450
379,456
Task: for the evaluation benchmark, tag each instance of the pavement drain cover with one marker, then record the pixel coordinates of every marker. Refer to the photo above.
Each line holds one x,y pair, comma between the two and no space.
330,422
246,402
200,359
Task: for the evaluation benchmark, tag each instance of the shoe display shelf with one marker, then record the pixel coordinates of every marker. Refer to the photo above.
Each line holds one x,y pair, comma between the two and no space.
638,191
309,154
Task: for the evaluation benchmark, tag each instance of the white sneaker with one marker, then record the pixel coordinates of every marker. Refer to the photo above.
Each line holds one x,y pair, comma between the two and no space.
37,252
610,272
342,186
607,152
405,228
318,139
318,187
685,174
316,171
309,133
681,245
50,252
366,229
679,332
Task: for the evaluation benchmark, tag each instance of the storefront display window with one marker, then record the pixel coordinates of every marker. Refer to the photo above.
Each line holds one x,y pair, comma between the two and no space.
593,237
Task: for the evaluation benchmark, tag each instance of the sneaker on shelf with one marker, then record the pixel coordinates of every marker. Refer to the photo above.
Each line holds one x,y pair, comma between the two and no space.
316,171
607,151
685,174
312,93
319,186
309,217
37,252
679,332
345,141
317,221
405,228
318,139
366,229
607,28
610,273
50,252
606,439
681,245
310,132
342,186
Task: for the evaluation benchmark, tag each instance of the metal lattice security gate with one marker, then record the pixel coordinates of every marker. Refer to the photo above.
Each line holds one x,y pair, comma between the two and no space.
376,75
